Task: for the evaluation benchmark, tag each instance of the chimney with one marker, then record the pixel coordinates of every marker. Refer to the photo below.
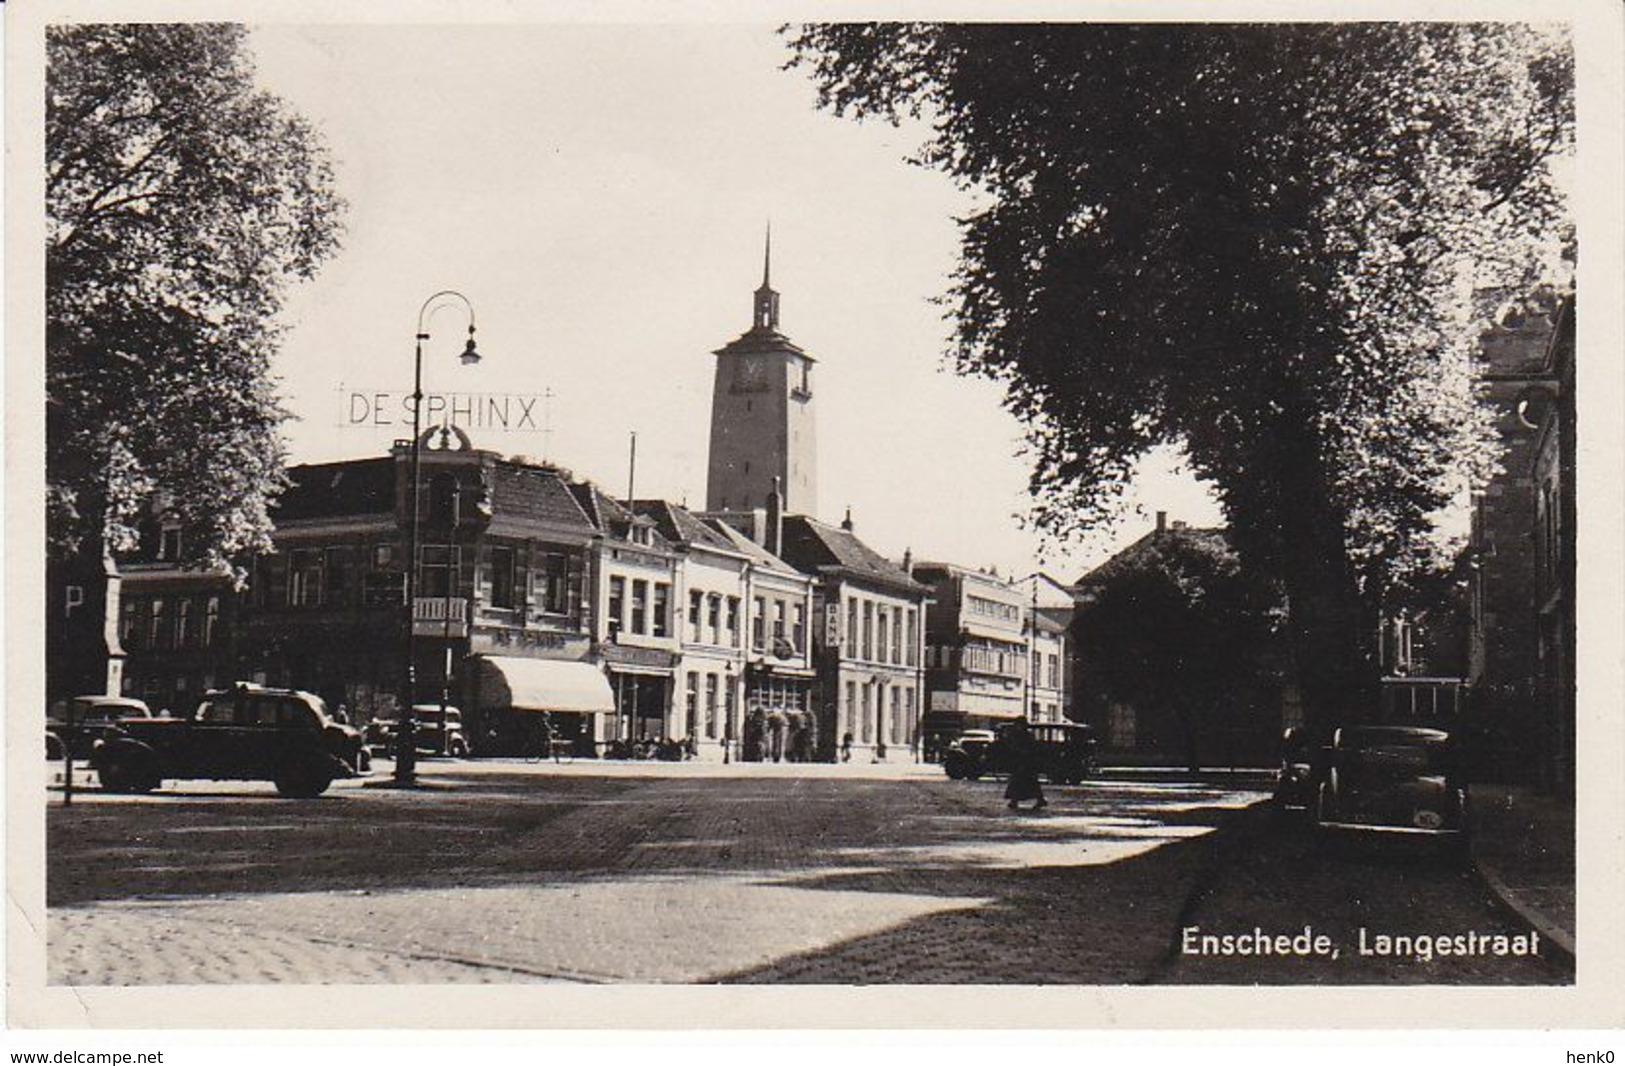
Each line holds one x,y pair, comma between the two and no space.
1162,521
908,561
1178,525
846,523
775,520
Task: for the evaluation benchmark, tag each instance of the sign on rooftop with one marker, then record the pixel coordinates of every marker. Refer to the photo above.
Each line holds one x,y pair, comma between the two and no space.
498,412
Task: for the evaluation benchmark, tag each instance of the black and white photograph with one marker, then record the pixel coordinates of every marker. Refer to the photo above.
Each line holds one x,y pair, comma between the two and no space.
1095,503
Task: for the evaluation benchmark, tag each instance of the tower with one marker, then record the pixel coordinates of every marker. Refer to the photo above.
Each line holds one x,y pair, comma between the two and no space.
762,425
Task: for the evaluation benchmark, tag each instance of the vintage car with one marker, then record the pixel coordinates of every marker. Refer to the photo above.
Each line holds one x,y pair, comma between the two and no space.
433,733
80,722
1066,753
243,733
1389,779
1297,780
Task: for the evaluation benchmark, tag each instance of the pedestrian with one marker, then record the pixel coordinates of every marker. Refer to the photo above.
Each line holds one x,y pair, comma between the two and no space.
846,746
880,750
1022,754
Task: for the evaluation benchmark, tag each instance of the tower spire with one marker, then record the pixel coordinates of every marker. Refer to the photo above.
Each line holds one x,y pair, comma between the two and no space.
767,301
767,257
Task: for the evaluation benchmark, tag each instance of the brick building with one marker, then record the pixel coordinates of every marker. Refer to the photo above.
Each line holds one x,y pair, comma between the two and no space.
1520,649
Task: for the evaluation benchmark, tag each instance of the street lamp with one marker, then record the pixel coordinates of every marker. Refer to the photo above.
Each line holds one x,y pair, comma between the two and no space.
406,751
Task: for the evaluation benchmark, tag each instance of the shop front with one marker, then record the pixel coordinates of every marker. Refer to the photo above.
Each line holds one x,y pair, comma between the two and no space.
779,724
519,702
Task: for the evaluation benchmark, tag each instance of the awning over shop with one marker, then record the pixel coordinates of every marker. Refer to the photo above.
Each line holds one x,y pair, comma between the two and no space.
543,685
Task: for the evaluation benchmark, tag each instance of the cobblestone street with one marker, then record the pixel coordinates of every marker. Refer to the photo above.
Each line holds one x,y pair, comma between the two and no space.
630,872
688,873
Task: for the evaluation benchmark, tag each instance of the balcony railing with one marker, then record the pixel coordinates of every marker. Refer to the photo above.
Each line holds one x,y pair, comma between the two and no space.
434,616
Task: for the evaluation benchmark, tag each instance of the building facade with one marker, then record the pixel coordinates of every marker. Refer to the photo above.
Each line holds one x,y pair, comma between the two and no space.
869,639
977,651
1513,717
1520,667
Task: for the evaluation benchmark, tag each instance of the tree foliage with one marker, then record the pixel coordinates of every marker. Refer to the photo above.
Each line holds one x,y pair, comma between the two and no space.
1175,625
1263,243
181,201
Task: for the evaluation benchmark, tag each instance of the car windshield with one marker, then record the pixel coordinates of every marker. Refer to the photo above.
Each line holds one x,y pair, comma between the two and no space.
1395,752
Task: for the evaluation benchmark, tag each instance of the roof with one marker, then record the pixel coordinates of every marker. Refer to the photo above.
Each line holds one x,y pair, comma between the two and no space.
322,490
1216,538
758,554
810,546
680,525
609,516
537,494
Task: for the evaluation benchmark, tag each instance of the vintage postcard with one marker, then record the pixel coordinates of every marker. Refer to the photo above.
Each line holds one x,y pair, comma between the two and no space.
713,516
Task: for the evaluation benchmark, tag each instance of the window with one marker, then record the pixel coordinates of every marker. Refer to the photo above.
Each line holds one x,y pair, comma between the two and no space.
713,617
211,619
305,578
868,630
798,630
439,571
551,577
865,726
897,635
662,609
640,605
711,706
911,719
851,707
881,643
183,623
1055,670
1038,667
733,621
443,500
169,543
691,723
758,624
730,705
157,636
502,573
695,600
126,624
617,601
336,567
896,714
852,627
383,556
913,637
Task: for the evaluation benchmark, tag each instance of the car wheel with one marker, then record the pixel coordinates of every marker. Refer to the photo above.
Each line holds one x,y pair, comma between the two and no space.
126,775
303,781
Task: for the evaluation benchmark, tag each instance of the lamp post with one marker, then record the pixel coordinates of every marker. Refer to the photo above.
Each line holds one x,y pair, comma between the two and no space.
406,751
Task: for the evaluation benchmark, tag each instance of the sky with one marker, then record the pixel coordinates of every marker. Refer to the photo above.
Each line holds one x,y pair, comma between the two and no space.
600,194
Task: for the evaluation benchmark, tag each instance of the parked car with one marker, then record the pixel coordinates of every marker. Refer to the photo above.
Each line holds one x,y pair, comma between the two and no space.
1403,780
244,733
1066,753
80,722
433,733
1302,769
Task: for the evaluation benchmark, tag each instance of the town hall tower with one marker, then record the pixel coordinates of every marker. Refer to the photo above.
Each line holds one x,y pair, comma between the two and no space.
762,427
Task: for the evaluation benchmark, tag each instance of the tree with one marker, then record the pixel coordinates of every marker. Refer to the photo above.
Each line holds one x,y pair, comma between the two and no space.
1263,243
180,201
1174,625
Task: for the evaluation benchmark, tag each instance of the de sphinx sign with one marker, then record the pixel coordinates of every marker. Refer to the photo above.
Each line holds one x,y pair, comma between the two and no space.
504,412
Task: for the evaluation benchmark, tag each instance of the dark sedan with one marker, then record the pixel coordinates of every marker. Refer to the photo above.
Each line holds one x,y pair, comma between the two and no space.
1402,780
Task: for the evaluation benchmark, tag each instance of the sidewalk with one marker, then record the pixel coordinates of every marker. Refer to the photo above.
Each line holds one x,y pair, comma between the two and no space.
1523,848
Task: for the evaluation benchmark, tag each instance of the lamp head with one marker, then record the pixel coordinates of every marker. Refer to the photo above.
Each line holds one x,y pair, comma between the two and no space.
470,357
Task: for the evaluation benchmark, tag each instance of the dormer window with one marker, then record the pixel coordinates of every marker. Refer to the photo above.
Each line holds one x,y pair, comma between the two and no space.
169,543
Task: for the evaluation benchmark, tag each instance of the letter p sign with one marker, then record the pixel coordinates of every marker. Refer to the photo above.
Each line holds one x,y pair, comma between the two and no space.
75,597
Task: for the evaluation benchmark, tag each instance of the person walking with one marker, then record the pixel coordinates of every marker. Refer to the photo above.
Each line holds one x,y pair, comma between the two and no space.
1022,753
846,747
